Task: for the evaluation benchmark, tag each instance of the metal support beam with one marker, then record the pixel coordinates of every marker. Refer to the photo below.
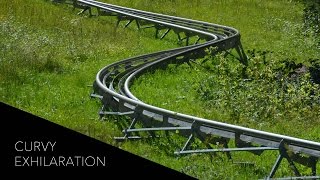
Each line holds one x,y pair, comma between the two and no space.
239,143
186,145
242,55
156,33
101,111
275,166
128,23
146,27
157,129
133,123
116,113
128,137
224,150
292,166
310,162
119,139
197,41
297,178
138,24
313,162
165,33
179,37
87,8
93,95
123,18
283,154
225,145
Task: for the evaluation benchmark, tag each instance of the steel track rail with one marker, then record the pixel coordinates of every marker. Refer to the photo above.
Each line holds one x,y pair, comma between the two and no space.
112,86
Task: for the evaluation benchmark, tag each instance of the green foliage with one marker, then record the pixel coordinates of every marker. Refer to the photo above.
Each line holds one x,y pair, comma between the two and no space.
311,16
270,94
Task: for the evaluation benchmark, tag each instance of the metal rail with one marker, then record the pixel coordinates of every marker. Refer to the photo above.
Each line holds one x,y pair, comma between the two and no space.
112,86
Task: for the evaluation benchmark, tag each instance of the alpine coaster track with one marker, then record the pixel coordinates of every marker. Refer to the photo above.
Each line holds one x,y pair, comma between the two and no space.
112,87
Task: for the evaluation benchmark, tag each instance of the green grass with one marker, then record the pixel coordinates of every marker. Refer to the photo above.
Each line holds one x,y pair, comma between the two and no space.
264,25
49,56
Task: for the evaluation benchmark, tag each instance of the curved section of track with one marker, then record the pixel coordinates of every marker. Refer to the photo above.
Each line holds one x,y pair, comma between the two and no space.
112,86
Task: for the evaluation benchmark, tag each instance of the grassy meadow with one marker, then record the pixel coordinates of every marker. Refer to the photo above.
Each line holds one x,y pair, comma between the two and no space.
49,57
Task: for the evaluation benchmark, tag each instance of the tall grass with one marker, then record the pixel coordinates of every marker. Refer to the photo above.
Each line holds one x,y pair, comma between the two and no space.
49,55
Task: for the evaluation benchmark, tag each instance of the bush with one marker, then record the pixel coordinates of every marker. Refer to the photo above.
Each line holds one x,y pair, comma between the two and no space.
272,90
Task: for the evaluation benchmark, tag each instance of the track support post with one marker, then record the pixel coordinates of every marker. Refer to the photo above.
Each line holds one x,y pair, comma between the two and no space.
283,154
